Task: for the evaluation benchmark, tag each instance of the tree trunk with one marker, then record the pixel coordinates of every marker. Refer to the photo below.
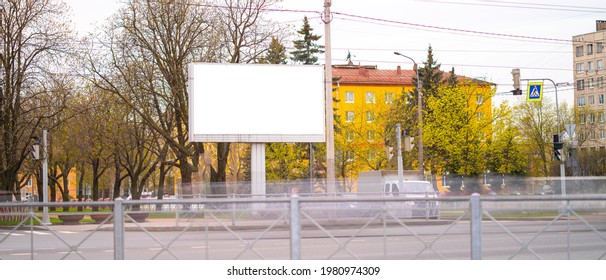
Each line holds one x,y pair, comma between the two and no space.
220,175
117,179
65,177
161,183
80,187
186,174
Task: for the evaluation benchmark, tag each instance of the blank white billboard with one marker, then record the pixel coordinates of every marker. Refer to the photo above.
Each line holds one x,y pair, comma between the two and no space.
256,103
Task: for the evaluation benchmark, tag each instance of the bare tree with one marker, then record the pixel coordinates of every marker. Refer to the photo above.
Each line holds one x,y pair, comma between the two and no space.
32,34
150,45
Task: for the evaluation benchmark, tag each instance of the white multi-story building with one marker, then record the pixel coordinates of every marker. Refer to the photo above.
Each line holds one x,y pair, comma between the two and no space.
589,58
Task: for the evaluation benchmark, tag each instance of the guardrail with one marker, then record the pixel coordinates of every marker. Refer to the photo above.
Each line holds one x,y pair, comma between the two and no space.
334,227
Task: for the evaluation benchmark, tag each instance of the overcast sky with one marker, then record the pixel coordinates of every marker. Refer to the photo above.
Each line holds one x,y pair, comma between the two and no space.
480,38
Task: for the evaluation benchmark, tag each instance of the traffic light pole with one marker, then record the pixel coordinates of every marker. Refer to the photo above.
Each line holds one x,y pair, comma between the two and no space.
45,217
562,164
400,164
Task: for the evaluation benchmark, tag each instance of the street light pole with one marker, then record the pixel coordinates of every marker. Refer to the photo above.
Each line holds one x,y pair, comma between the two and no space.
419,116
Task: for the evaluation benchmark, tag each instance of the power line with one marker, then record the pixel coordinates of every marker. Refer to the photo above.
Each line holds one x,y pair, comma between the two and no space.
456,29
431,27
454,50
530,6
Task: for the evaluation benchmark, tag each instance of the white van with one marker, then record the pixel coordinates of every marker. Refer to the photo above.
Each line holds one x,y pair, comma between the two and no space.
416,189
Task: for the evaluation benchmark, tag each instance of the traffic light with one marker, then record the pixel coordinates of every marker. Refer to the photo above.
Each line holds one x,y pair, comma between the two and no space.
557,155
516,81
557,147
36,151
36,148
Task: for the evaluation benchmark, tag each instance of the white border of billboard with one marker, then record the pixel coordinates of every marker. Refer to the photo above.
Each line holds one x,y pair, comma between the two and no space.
256,103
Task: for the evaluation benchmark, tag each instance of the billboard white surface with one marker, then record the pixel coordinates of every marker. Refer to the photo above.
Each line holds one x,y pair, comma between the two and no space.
259,103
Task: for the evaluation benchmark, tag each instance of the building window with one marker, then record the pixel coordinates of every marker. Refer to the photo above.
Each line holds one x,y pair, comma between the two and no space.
582,118
349,116
479,99
580,67
599,47
590,65
590,82
600,99
600,82
601,116
370,97
370,136
579,51
591,118
602,134
589,49
592,135
28,183
591,100
349,97
388,97
349,136
600,64
370,116
580,84
581,101
349,156
371,155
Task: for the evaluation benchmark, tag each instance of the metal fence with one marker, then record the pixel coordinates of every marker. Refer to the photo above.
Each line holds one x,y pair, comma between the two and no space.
327,227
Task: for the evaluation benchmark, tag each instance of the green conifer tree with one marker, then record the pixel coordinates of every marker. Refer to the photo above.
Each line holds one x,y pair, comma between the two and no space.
276,54
307,48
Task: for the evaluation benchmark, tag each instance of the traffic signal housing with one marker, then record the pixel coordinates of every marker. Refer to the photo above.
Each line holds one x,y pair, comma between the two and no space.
557,147
516,81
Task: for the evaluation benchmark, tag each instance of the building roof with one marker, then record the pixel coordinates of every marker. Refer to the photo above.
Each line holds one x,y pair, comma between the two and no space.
360,74
370,75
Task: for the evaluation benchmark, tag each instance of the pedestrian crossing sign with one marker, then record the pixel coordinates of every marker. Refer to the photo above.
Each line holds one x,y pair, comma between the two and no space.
535,91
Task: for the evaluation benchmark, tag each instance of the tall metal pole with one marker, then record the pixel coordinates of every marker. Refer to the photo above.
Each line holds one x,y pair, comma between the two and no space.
330,133
419,116
562,164
400,165
45,217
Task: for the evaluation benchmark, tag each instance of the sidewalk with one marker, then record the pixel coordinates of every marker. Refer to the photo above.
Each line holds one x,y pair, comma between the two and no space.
203,224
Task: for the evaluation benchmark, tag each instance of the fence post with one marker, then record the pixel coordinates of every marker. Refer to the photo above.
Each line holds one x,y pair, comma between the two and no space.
118,229
476,226
295,229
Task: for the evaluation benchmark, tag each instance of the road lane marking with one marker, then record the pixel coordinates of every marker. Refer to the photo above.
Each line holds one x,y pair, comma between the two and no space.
22,254
13,234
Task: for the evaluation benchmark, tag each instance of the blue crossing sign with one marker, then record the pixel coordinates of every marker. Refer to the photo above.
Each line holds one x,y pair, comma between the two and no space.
534,92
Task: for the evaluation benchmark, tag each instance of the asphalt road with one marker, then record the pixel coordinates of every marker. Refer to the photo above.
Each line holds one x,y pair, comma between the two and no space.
507,240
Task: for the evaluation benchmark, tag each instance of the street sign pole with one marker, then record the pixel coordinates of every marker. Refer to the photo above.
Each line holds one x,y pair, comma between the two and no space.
45,217
529,98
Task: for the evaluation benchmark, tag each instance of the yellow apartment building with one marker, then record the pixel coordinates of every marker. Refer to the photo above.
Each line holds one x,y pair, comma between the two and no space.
365,94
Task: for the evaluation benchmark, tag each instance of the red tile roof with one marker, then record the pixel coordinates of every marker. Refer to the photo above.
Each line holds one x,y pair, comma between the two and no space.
371,75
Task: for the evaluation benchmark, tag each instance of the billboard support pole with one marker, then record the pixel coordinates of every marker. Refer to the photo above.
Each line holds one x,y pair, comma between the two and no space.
257,172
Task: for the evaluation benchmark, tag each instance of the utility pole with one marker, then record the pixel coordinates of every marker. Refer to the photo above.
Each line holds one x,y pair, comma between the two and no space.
330,131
